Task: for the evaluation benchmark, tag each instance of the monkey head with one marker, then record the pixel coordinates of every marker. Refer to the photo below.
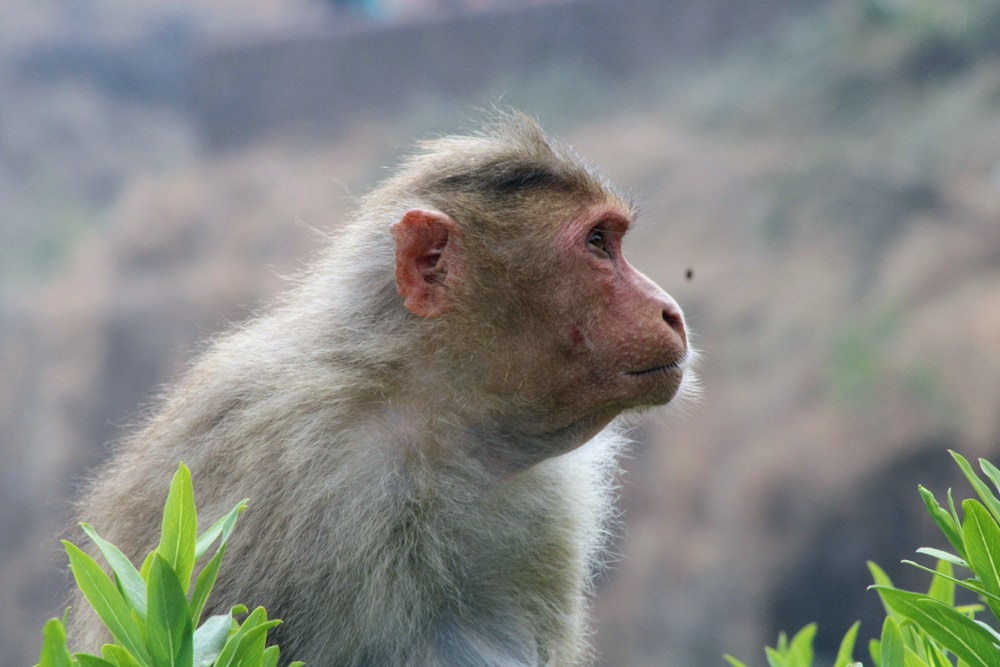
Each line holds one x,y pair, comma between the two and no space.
562,331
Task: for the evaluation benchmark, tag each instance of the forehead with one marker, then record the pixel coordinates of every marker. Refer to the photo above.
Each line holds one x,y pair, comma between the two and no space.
553,183
505,180
512,178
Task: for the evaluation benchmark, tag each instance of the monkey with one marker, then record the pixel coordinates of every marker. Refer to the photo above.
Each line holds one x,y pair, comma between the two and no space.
428,422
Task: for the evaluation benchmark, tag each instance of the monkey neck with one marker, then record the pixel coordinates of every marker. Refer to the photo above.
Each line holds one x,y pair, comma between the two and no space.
500,436
508,447
500,446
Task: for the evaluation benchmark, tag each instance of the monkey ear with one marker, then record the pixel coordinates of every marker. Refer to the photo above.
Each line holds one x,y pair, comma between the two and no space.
428,261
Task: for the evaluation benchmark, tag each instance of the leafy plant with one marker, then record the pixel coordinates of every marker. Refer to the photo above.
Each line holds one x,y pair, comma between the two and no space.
931,629
799,651
154,613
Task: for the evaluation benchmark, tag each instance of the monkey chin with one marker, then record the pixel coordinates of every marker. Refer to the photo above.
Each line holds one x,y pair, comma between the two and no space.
645,390
660,384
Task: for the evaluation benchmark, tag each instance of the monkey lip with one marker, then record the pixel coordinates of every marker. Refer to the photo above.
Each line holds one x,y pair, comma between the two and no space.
657,370
672,368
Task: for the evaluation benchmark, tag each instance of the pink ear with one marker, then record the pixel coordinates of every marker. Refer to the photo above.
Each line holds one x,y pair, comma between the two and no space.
427,260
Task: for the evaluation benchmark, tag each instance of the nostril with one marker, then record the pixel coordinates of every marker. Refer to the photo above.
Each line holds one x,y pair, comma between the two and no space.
675,320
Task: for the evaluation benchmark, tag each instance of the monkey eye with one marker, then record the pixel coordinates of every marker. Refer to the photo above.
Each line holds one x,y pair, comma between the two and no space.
597,239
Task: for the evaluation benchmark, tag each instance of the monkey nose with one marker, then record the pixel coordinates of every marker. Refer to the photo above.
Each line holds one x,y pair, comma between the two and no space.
674,318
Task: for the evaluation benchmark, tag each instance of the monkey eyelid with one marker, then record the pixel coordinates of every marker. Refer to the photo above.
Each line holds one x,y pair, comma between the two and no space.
613,223
602,244
611,229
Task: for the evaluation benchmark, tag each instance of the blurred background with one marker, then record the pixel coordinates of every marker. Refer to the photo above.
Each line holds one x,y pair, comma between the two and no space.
828,172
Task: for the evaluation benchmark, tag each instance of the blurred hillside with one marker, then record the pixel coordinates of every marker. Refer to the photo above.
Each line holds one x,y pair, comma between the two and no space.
834,186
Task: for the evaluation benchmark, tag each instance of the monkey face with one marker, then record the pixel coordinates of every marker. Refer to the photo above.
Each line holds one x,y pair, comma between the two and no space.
621,334
547,326
595,337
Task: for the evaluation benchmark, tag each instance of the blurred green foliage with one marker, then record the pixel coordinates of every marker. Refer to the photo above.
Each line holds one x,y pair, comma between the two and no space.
154,614
932,629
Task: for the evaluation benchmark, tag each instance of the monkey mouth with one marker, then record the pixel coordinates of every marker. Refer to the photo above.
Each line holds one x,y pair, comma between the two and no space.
673,368
666,369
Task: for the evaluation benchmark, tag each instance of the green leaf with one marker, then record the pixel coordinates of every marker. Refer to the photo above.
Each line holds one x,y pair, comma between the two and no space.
130,583
875,651
209,639
246,647
800,650
892,644
92,661
943,555
970,610
878,575
205,582
270,659
912,659
942,586
223,527
968,584
207,577
981,488
118,656
109,604
992,631
774,656
953,630
951,509
733,661
180,527
935,656
168,624
845,654
944,519
991,472
146,564
882,579
54,651
982,545
914,638
297,663
251,651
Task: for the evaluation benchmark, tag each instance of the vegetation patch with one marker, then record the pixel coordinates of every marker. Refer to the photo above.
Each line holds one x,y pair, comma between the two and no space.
154,613
932,628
